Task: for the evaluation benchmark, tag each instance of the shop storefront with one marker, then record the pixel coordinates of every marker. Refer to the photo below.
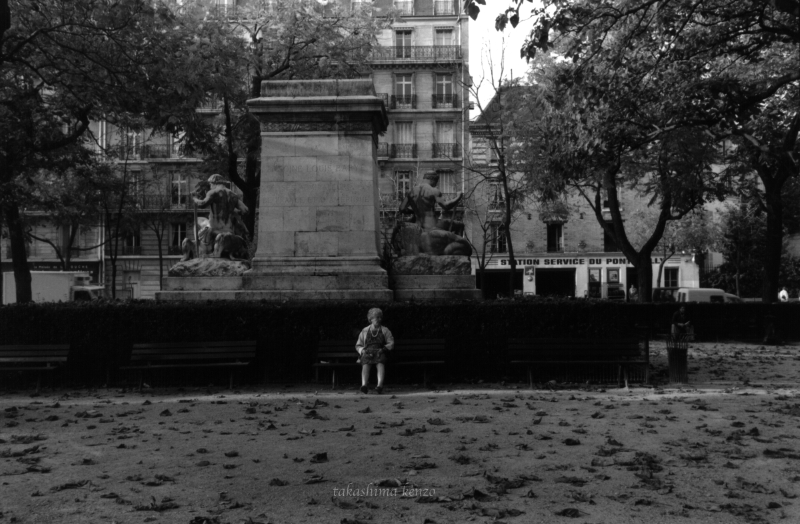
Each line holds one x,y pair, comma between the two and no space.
600,275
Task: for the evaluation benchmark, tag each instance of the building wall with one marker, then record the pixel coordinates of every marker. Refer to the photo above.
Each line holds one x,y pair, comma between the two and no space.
582,237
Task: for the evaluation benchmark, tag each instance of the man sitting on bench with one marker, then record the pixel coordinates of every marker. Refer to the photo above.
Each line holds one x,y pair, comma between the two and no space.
680,323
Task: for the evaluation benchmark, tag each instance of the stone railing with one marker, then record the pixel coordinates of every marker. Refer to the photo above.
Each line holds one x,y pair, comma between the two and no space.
421,53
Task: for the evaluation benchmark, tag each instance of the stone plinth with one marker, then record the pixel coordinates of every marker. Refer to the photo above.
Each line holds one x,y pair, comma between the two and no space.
426,277
318,227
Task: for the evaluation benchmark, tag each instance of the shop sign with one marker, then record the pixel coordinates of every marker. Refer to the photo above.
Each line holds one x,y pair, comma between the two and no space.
551,262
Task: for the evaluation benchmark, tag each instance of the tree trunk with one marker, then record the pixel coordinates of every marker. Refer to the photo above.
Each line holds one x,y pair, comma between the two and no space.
644,273
19,257
159,238
772,251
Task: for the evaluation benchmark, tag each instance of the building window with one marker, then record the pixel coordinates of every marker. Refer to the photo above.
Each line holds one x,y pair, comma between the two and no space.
402,183
403,87
609,244
178,234
595,283
444,7
447,183
444,90
403,43
444,146
497,202
555,238
132,243
179,190
491,153
405,7
497,238
405,145
670,277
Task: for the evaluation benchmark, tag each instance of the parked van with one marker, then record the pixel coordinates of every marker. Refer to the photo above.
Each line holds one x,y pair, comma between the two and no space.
706,294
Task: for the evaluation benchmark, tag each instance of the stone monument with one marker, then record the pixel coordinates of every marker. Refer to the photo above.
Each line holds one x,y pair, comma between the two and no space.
434,256
318,228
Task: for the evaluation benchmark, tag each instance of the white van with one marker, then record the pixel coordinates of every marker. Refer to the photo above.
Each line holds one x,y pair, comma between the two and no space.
706,294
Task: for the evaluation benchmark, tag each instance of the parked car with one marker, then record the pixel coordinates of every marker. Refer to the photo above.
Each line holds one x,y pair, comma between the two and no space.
706,294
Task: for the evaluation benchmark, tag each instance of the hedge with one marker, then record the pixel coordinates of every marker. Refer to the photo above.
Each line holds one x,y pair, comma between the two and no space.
101,333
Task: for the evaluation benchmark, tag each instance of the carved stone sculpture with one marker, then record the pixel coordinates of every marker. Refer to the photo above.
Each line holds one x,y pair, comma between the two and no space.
438,235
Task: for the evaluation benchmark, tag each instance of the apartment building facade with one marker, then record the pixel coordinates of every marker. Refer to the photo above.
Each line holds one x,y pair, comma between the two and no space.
421,70
560,249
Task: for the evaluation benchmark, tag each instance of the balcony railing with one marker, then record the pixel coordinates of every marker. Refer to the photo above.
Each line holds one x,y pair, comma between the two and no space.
386,99
426,53
403,151
403,102
174,250
445,101
405,8
444,8
149,151
130,250
154,202
446,151
383,150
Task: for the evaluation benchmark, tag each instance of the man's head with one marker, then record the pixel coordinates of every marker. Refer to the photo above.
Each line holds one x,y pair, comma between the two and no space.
683,310
432,177
216,180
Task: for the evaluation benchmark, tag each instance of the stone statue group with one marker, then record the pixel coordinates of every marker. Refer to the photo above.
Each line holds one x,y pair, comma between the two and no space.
430,234
224,234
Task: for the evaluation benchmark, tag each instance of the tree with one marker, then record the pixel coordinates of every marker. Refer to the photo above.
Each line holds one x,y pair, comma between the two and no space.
291,39
738,75
72,201
696,233
500,126
601,131
743,243
67,62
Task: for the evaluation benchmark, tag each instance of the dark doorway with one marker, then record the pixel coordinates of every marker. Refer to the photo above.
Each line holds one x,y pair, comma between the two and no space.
555,282
632,279
497,282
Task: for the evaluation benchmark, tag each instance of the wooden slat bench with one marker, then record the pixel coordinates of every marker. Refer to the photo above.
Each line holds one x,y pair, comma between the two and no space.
33,357
622,352
191,355
422,352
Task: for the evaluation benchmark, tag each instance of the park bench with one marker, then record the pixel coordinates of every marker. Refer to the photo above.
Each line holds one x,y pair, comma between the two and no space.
621,353
233,355
422,352
33,357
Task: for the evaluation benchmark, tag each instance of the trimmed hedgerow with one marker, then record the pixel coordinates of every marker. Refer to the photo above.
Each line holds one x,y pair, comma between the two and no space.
101,333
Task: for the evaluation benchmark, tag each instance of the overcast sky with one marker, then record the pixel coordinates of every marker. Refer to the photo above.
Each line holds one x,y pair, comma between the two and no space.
485,42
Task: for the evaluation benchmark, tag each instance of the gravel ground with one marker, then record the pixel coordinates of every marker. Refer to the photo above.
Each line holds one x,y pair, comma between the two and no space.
722,450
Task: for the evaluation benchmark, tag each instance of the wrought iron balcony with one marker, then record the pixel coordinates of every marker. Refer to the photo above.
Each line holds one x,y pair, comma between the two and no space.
444,8
383,150
130,250
405,8
148,151
403,102
437,53
446,151
385,98
403,151
445,101
174,250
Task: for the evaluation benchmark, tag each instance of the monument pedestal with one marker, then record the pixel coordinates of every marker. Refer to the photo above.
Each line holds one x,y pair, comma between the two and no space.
426,277
318,227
